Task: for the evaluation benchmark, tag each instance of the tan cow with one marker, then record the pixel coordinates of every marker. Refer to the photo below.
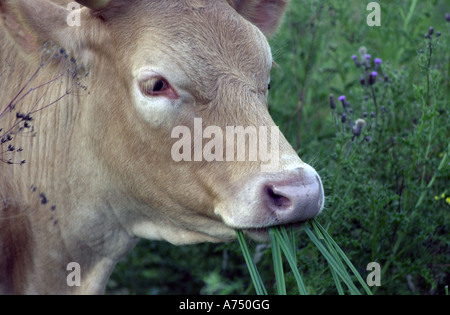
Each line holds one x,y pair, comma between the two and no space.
88,112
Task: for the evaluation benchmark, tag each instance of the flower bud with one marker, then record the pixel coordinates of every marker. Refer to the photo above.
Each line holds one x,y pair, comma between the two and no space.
355,59
373,77
363,81
332,103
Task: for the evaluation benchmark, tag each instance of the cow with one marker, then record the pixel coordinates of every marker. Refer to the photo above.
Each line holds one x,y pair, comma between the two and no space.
88,112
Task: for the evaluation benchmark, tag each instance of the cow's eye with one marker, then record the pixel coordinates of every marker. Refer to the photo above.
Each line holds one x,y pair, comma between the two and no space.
268,87
157,86
154,86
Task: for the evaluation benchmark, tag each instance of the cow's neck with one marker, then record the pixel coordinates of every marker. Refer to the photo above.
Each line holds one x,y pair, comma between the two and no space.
71,222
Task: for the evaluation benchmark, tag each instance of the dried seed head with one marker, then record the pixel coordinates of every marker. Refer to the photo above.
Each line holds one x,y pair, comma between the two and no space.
363,52
357,129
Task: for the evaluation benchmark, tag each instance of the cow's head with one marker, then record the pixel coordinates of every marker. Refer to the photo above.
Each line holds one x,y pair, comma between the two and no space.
166,78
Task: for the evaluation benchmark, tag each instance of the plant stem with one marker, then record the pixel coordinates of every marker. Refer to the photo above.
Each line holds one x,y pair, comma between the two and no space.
374,97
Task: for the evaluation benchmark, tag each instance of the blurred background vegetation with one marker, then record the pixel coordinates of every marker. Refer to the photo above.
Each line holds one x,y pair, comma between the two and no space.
387,188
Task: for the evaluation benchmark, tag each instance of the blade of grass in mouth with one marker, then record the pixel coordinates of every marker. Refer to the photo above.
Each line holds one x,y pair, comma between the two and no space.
341,253
284,242
277,263
254,274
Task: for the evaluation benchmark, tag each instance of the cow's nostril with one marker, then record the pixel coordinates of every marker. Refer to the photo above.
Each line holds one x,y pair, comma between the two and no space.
278,201
293,196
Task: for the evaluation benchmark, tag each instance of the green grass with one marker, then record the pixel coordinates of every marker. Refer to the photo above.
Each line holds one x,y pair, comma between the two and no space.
283,243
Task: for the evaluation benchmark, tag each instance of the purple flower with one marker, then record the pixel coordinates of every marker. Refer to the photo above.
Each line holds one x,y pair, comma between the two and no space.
354,57
343,118
373,77
342,99
378,63
447,17
368,56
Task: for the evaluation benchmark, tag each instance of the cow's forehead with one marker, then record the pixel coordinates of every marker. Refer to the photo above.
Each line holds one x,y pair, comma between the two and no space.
204,42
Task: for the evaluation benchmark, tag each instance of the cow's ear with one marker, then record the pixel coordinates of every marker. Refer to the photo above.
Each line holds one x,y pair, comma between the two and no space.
266,14
32,23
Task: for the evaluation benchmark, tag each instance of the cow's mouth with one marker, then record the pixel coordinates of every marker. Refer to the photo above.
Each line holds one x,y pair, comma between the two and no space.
262,234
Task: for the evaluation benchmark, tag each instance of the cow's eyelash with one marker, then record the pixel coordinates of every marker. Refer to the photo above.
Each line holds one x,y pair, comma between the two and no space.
157,86
154,86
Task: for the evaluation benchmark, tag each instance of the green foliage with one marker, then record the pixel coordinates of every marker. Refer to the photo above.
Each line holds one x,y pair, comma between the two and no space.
388,199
